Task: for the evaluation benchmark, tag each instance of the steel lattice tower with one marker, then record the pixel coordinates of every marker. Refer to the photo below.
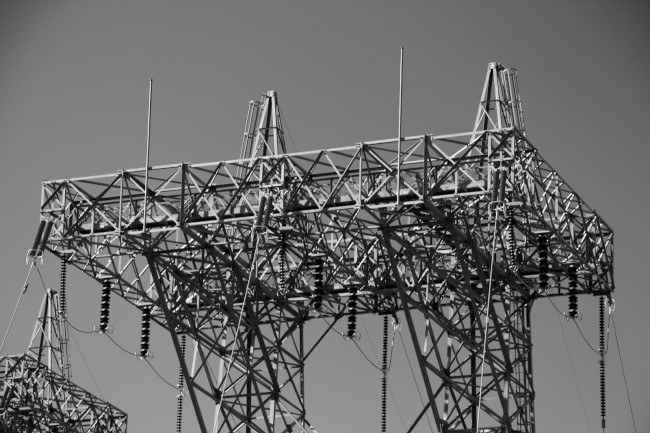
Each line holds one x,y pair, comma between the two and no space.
445,229
36,391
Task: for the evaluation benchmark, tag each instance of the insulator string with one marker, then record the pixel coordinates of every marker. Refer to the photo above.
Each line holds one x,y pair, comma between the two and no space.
502,186
318,285
601,348
63,289
512,240
384,376
46,235
105,306
573,292
267,212
146,329
260,211
181,385
39,234
542,252
352,318
281,264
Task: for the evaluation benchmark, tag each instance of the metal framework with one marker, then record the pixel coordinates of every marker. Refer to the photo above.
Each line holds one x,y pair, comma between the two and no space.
444,229
36,393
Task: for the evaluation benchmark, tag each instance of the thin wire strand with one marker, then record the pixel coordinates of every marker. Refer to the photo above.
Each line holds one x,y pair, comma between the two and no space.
81,331
487,319
119,346
597,352
415,380
83,357
160,377
627,390
285,125
369,339
135,354
575,378
13,315
343,334
364,355
399,414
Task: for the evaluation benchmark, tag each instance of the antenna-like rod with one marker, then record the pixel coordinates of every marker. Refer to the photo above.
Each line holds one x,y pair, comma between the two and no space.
399,125
146,169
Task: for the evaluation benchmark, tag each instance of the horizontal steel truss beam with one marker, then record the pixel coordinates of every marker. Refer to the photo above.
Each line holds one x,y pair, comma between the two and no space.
34,398
339,187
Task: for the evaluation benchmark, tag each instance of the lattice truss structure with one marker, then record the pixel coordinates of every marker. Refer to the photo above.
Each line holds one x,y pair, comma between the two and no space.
444,229
36,393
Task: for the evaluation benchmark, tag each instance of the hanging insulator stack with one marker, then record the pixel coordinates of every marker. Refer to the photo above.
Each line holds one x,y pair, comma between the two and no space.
512,240
502,186
601,349
62,289
542,251
105,306
267,212
573,291
281,264
46,235
37,240
146,329
318,284
384,377
181,386
352,318
494,193
260,212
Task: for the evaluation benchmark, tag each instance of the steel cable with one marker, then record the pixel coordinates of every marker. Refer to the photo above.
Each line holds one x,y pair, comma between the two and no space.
627,390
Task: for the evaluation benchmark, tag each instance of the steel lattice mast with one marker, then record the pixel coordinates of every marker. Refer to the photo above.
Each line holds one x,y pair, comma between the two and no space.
477,225
36,392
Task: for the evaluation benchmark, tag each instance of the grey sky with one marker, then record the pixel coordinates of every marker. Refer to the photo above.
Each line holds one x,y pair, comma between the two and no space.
73,102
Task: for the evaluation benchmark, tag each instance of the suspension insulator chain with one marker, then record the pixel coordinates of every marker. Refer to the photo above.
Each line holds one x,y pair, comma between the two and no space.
601,349
512,240
384,377
502,186
181,385
146,329
573,292
46,235
39,234
267,212
352,318
494,193
62,289
281,264
105,306
260,212
542,251
318,284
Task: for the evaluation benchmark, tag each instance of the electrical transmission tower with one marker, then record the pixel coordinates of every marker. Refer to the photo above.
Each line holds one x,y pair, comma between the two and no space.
458,233
36,391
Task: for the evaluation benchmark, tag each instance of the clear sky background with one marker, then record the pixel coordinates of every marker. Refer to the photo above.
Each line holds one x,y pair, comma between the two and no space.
73,102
